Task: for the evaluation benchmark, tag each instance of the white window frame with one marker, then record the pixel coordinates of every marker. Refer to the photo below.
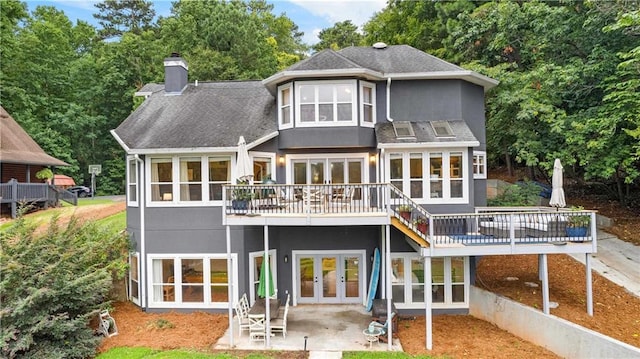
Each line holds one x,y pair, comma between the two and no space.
270,155
480,169
273,266
372,86
133,183
281,125
448,303
327,156
136,269
335,123
206,269
175,162
445,177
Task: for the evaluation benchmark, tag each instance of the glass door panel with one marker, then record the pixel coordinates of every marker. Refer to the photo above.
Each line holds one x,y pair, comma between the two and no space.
351,277
307,278
329,276
317,172
336,167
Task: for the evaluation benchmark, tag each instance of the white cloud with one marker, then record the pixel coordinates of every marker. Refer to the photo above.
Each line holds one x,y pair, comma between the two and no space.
78,4
358,11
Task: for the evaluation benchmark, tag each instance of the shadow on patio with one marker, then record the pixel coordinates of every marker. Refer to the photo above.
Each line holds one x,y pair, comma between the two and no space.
327,327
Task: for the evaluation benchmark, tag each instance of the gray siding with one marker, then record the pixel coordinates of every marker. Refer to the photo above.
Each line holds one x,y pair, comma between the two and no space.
473,111
426,100
327,137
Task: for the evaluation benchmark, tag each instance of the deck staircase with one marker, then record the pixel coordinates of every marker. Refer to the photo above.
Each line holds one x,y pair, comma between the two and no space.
408,223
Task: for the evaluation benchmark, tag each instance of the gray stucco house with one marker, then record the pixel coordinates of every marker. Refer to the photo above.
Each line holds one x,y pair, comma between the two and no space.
352,150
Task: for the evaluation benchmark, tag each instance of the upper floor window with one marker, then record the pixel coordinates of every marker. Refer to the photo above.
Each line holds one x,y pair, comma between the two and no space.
132,182
367,104
479,164
263,166
285,101
325,103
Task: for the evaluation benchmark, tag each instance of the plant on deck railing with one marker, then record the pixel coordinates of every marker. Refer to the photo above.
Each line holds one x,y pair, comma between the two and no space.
405,211
421,223
578,220
242,194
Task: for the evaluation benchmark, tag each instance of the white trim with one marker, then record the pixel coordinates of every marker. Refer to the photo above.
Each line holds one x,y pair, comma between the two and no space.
286,75
206,281
372,86
191,150
335,122
121,142
482,154
470,76
173,63
129,184
442,144
273,265
362,277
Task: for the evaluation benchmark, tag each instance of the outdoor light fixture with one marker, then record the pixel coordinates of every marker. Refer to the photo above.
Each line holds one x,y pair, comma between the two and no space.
286,258
281,160
372,158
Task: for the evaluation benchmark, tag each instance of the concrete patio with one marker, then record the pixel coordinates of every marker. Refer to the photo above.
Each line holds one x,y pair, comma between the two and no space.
327,328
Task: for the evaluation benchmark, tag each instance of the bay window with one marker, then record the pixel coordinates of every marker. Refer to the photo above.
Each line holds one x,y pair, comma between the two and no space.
430,177
325,103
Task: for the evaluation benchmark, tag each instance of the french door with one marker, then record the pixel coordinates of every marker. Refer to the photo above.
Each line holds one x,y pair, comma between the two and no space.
329,276
327,170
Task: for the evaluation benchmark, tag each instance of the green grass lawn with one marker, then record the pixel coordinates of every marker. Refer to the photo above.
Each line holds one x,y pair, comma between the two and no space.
146,353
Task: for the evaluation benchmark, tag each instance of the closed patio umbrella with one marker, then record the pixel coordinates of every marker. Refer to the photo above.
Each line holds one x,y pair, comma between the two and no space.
244,167
557,193
262,285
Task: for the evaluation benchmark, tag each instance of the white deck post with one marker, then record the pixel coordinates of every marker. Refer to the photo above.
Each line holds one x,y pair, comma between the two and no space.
587,263
384,229
545,284
229,286
427,303
267,317
387,256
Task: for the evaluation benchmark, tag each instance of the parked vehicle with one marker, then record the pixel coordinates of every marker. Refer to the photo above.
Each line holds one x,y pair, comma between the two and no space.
80,191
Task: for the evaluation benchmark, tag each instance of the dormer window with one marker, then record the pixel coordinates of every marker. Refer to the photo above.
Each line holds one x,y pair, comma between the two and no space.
403,130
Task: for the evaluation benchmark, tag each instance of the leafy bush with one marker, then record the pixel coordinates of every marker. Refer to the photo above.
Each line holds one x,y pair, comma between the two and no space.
523,194
53,284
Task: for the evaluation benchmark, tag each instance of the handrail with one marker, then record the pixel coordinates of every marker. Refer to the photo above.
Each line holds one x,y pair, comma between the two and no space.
403,207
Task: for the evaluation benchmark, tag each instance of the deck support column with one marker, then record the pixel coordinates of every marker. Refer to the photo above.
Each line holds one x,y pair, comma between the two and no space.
384,235
427,303
229,285
387,274
545,284
587,263
267,314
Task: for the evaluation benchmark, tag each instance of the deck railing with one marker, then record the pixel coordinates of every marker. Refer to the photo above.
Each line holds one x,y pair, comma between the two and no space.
488,226
16,194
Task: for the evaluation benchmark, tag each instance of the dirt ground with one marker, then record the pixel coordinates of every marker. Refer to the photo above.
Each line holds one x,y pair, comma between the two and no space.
616,312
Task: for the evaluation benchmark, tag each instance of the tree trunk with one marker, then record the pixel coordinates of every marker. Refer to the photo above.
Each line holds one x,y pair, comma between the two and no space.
620,187
507,160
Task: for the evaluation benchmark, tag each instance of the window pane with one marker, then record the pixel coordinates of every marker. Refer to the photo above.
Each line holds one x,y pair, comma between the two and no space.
344,93
417,280
219,280
261,169
163,280
395,166
300,172
307,94
192,281
435,174
285,97
161,178
397,279
437,279
366,94
456,189
457,270
307,113
133,193
367,116
325,93
286,115
133,277
457,293
219,174
345,112
455,165
326,113
133,174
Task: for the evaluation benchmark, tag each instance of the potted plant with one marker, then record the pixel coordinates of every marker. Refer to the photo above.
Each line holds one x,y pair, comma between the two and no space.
577,224
422,224
241,197
405,211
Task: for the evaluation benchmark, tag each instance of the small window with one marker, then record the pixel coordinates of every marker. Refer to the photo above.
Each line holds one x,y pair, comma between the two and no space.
403,129
285,113
479,164
442,129
132,182
367,104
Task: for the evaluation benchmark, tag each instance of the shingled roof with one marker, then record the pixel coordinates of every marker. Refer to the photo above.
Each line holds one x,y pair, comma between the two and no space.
424,133
206,116
16,146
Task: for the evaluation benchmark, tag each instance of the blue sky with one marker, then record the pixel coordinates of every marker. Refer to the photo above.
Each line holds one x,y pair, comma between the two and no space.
311,16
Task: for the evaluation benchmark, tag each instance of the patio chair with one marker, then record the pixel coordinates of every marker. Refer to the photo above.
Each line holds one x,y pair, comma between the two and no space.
243,318
244,302
384,327
286,306
279,325
257,328
169,291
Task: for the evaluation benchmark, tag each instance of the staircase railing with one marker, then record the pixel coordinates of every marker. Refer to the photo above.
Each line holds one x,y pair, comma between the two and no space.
410,213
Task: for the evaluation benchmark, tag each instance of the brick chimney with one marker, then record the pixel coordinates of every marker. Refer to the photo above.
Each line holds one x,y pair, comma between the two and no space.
175,74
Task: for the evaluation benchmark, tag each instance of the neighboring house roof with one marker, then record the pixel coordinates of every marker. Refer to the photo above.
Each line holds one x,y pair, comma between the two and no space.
62,180
16,146
208,117
395,62
425,136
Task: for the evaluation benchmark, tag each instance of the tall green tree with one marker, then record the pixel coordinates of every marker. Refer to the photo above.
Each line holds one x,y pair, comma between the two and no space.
340,35
124,16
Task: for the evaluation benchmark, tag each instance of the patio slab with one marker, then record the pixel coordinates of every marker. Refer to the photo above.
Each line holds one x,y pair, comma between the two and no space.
328,328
